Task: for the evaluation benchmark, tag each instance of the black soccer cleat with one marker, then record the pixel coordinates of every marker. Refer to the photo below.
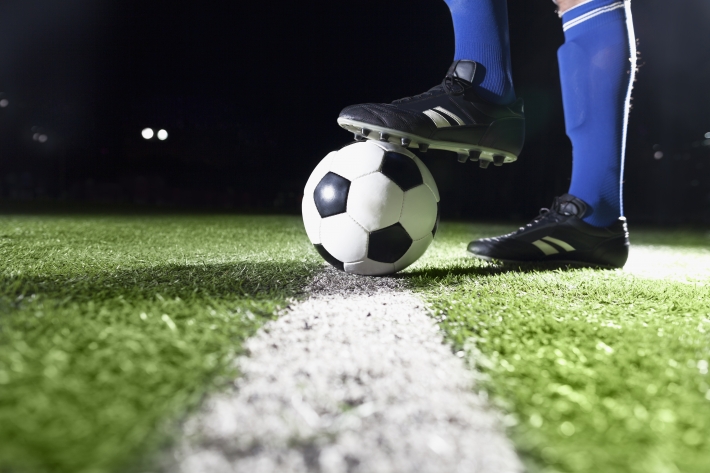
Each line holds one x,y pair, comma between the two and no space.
559,235
450,116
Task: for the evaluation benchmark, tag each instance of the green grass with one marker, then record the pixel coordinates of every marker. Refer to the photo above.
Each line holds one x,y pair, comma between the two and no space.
112,328
598,371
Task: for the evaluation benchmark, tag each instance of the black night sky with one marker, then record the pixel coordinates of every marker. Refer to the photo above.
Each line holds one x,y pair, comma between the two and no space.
249,93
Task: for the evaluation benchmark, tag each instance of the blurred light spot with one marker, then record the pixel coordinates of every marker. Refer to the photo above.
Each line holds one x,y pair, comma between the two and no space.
162,135
567,429
147,133
707,135
42,138
4,103
703,366
536,420
656,147
35,137
439,445
658,154
706,142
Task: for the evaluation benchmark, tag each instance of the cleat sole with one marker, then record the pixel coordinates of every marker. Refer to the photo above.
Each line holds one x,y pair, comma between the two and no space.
476,153
544,264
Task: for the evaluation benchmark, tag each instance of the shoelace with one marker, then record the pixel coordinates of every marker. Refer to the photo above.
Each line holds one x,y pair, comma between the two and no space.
544,212
449,84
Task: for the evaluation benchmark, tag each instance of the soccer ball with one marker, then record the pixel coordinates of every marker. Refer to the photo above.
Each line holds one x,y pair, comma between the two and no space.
371,208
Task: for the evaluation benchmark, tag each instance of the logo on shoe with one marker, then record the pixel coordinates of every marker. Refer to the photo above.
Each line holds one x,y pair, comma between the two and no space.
550,246
442,117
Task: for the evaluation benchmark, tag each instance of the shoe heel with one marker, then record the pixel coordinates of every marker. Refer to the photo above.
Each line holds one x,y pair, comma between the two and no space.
506,134
613,252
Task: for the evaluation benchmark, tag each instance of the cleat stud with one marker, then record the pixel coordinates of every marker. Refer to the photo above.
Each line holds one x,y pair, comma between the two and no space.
423,147
463,157
364,132
483,164
384,136
406,142
498,160
474,155
359,137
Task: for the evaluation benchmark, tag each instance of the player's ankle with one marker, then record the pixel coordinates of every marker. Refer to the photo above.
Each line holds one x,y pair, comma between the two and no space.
498,91
564,5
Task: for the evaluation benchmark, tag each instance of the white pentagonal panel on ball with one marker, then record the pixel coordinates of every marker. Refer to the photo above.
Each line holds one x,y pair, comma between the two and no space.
321,170
375,201
414,253
343,238
356,160
368,267
418,212
428,178
311,219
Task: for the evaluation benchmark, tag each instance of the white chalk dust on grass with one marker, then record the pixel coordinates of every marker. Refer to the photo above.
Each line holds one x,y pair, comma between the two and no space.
356,378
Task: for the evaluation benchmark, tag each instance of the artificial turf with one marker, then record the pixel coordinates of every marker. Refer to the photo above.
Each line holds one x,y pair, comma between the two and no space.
112,328
597,370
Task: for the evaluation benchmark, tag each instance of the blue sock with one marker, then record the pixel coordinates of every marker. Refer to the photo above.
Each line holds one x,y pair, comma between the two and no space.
481,33
597,66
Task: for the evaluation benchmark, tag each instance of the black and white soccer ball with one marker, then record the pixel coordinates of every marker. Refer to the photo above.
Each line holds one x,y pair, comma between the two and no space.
371,208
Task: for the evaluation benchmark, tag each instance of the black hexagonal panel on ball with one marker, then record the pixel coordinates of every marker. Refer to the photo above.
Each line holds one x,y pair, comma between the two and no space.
329,258
389,244
402,170
331,195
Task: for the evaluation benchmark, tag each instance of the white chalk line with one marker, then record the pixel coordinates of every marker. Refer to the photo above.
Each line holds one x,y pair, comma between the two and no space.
357,378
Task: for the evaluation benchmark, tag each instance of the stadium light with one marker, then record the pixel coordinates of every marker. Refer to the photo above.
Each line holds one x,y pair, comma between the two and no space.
707,135
162,135
4,103
147,133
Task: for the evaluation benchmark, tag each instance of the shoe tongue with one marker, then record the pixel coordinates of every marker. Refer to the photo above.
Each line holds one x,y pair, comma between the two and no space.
567,204
464,70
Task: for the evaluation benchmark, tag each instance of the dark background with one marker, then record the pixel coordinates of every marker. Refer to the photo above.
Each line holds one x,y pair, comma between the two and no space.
249,93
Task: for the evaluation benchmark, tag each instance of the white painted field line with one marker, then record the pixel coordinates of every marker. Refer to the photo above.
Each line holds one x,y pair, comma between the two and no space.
354,379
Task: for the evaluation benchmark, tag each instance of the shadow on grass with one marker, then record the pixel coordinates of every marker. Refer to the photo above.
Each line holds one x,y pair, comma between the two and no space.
492,269
240,279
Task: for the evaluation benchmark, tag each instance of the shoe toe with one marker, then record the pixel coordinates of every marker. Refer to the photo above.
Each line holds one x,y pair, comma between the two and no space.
386,116
365,112
479,247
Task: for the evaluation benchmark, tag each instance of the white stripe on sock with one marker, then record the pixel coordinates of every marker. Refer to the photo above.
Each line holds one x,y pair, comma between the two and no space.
587,16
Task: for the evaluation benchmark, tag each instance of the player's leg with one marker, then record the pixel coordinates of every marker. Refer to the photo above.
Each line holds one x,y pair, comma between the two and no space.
597,66
473,112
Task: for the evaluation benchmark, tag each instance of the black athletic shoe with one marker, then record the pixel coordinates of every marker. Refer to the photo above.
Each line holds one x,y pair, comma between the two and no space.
449,116
559,235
